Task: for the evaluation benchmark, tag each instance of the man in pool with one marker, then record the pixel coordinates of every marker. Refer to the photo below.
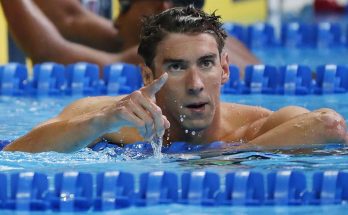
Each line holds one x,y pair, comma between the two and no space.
185,66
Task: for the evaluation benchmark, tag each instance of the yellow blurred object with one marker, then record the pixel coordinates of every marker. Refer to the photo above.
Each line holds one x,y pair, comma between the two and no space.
29,64
3,39
115,8
241,11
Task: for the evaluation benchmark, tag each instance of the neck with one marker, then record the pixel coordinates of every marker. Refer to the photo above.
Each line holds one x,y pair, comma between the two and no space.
176,133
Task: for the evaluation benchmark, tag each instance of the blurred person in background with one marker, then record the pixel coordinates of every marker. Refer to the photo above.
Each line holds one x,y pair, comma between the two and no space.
63,31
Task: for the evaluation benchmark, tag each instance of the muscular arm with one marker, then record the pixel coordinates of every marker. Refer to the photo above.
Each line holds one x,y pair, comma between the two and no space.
41,41
88,119
77,126
295,127
80,25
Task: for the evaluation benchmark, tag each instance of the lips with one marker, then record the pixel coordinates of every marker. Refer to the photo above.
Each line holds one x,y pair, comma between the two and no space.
196,105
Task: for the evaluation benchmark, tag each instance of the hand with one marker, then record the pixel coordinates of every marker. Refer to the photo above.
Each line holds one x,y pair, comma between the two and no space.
139,109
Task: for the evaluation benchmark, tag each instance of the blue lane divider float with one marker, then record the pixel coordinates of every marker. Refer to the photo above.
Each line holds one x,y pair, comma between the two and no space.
28,192
72,192
83,79
114,190
236,30
294,79
328,35
13,77
122,78
300,35
48,79
157,188
331,79
260,35
329,187
286,188
75,191
293,35
243,188
260,79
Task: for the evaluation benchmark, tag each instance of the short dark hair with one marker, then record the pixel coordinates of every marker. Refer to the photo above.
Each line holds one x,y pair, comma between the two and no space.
183,3
177,20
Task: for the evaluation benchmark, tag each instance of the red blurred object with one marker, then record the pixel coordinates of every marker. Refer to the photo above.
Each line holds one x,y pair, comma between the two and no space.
328,6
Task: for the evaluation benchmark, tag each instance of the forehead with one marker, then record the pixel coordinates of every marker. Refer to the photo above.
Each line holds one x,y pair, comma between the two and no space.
185,47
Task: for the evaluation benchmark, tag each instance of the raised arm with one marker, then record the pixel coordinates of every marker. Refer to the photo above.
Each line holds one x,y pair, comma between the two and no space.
41,41
78,24
89,119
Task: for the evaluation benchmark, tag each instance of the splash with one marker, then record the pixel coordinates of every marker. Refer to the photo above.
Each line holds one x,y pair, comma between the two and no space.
156,144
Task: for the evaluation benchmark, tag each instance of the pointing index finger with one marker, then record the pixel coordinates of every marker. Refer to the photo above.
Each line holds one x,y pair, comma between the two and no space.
156,85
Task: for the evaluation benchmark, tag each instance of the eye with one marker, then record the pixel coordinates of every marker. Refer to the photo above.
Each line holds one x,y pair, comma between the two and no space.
205,64
175,67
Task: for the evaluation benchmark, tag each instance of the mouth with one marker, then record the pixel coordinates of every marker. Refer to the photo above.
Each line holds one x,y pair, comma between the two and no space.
197,107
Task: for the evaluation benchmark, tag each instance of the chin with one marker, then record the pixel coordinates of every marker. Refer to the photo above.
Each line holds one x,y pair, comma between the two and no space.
196,125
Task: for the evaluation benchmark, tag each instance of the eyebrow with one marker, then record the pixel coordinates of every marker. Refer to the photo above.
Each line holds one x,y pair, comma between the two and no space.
171,60
208,56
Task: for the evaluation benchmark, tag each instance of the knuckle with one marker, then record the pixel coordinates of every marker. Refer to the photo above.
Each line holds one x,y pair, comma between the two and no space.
137,94
158,110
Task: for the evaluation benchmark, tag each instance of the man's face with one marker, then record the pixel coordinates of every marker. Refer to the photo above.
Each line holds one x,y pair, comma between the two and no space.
195,70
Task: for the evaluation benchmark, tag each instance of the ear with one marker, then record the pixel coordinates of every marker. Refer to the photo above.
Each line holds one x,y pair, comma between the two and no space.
147,74
225,75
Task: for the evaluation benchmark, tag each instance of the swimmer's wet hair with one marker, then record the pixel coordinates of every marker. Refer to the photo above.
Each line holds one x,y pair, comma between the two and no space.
177,20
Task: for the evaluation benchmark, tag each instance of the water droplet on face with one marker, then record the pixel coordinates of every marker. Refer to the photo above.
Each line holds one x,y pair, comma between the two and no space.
181,106
182,118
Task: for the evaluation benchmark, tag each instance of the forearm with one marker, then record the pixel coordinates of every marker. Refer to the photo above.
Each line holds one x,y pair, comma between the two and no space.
306,130
62,135
79,25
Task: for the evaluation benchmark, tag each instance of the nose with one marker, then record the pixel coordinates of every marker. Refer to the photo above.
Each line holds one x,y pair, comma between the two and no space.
194,83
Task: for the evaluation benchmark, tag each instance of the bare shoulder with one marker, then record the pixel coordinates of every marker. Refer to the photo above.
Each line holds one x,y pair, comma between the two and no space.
243,113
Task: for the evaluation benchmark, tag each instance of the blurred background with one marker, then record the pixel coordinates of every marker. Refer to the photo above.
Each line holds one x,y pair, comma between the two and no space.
241,12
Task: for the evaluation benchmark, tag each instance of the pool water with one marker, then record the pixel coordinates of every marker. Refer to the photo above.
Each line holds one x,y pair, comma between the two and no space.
19,115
